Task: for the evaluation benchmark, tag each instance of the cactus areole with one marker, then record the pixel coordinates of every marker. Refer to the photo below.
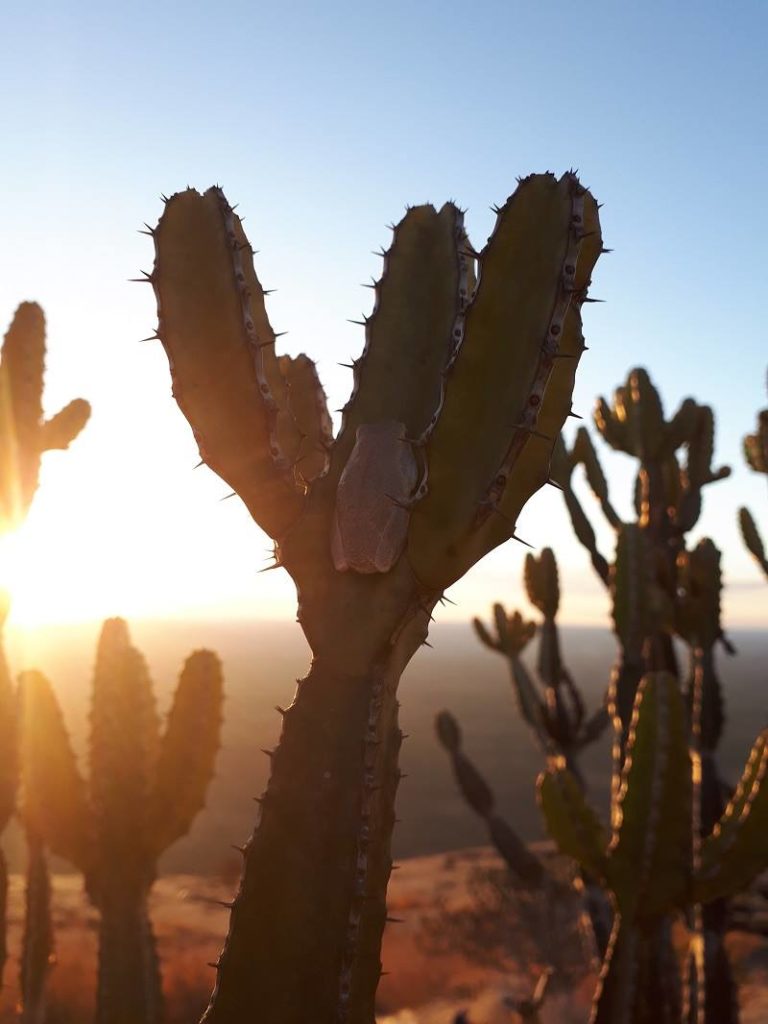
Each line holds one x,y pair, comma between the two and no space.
469,362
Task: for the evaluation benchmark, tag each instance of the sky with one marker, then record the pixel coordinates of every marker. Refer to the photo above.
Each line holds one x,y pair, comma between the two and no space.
323,122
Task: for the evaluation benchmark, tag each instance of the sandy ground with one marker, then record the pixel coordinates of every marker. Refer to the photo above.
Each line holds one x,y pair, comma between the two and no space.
446,956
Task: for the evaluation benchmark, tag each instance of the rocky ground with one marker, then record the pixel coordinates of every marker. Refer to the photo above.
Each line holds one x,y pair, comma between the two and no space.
466,943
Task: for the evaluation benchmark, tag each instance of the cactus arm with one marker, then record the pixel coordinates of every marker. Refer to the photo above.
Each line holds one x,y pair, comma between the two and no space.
752,538
416,328
23,434
756,445
485,637
21,410
54,797
123,749
586,535
212,324
507,380
38,941
562,469
524,865
187,751
309,409
570,820
649,855
61,430
529,702
584,452
737,849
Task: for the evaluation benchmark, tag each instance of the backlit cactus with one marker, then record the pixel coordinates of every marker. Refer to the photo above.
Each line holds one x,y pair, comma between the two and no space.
24,433
145,787
464,381
660,589
552,707
651,860
24,436
756,455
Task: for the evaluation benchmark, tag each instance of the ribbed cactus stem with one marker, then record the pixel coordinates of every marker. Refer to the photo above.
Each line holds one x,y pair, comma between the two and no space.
327,813
38,943
129,988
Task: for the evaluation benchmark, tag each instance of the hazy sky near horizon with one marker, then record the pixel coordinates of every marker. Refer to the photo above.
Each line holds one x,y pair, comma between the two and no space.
322,122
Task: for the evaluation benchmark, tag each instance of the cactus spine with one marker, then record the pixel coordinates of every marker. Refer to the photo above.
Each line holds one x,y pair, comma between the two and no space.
469,360
144,790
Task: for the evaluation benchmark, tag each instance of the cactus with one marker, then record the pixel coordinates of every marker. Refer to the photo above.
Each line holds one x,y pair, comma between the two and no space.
24,433
756,455
652,861
464,381
660,589
144,790
524,864
24,436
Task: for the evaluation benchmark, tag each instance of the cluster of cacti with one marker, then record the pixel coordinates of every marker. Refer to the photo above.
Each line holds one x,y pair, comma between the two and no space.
660,590
756,454
143,791
554,710
24,436
464,381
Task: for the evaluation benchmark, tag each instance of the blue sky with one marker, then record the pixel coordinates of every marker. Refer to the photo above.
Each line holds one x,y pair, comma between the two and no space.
323,122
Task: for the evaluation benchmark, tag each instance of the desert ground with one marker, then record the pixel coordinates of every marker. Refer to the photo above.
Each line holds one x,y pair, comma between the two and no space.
466,943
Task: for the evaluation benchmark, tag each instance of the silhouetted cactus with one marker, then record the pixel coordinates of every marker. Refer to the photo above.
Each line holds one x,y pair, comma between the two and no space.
24,436
372,526
37,943
756,455
659,590
553,709
24,433
143,792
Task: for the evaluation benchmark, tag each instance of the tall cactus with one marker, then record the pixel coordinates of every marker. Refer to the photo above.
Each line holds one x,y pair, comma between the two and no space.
144,789
24,436
756,454
659,590
464,381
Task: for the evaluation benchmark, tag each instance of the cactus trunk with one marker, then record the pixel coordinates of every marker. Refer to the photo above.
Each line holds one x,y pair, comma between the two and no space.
639,981
129,988
37,951
307,922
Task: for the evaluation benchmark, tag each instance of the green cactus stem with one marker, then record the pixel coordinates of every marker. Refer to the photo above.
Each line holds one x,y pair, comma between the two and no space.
524,864
145,787
655,862
464,381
